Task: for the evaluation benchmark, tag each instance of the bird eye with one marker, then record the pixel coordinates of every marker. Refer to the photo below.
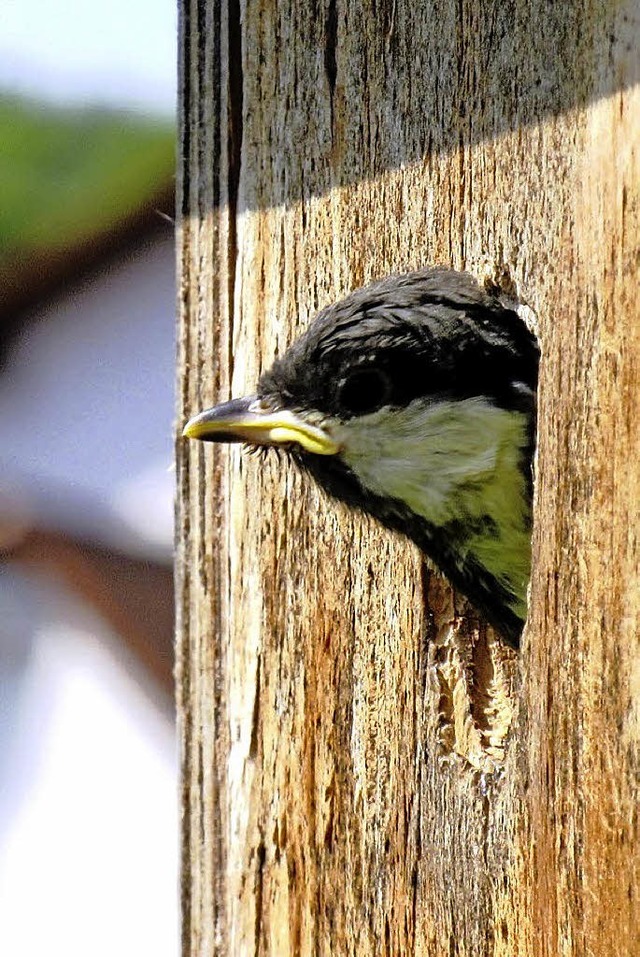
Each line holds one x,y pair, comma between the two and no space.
366,390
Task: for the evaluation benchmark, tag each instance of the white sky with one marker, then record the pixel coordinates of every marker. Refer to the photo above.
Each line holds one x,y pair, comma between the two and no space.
121,53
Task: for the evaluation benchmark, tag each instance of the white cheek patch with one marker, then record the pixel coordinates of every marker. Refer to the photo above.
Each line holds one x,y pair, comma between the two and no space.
450,460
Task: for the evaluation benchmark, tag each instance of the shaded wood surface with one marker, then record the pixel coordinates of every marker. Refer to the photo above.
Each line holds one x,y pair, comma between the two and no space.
366,770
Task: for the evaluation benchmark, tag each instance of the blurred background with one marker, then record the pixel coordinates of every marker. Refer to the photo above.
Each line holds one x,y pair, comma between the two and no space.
88,760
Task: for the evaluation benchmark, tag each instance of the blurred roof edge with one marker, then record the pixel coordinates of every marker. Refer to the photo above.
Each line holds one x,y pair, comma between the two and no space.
25,284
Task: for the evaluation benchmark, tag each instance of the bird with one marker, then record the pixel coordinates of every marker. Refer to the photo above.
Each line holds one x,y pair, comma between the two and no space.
414,400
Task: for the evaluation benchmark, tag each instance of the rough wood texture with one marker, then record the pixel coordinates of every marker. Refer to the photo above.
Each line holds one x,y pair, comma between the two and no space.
349,784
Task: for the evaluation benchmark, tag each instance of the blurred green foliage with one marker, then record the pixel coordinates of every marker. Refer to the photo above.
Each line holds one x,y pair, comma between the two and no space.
67,175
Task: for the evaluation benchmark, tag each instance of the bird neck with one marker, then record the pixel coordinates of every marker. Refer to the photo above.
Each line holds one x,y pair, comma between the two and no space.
457,468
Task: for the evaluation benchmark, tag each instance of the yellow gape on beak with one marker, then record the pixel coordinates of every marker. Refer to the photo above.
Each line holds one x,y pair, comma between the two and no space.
247,420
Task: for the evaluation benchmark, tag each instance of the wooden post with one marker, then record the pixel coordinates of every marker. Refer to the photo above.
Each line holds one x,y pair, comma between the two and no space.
366,770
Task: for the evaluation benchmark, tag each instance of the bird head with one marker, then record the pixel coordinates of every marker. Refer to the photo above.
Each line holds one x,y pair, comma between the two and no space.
413,399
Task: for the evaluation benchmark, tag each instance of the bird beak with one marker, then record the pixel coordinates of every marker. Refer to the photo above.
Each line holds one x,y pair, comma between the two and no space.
248,420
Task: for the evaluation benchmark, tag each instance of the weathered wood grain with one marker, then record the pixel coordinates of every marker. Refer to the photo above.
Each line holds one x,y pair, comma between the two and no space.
366,770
